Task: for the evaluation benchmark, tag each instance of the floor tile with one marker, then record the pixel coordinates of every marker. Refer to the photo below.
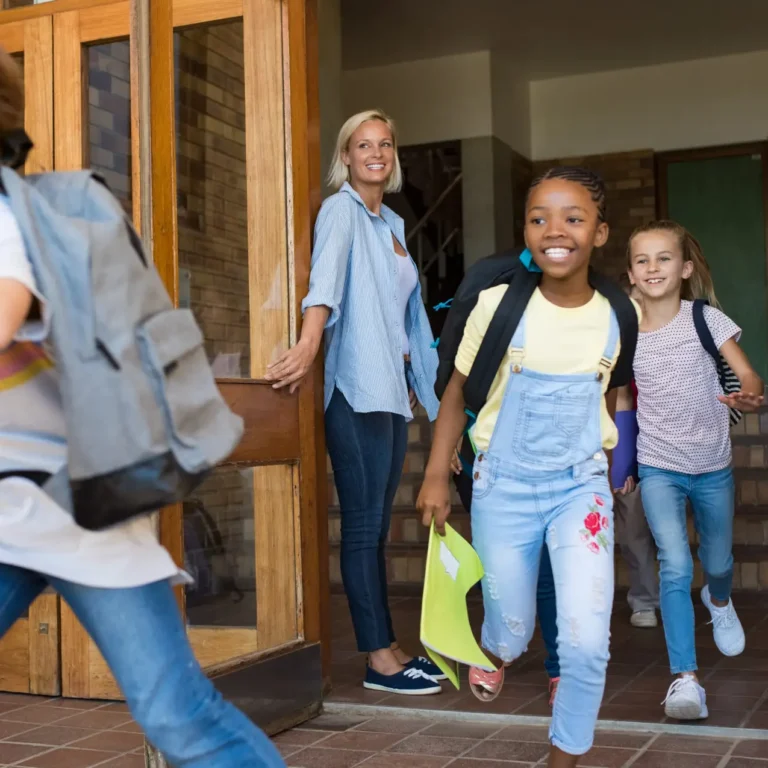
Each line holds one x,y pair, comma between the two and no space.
12,753
462,730
433,745
752,749
618,739
335,722
314,757
125,761
533,734
111,741
362,740
509,750
52,735
68,758
392,725
390,760
607,757
97,719
653,759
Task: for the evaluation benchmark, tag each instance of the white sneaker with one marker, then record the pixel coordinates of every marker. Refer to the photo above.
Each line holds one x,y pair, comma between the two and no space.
686,700
726,627
644,619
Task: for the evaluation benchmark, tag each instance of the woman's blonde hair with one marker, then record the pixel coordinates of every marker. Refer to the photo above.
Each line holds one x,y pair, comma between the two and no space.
700,284
339,171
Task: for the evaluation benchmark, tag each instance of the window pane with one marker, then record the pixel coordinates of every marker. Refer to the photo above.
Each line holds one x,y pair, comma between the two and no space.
109,117
211,185
220,550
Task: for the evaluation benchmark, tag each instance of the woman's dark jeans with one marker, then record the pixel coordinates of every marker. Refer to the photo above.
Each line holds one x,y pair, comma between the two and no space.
367,453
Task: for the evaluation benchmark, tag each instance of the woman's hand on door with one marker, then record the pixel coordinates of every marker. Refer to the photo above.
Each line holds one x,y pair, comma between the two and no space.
292,366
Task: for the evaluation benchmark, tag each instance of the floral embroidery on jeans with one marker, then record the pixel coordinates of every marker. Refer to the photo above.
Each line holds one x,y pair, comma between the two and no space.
594,525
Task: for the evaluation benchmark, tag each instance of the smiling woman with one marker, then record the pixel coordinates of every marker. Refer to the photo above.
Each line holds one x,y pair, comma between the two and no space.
365,297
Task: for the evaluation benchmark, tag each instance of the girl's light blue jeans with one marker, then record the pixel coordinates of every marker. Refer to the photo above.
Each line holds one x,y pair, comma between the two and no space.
664,495
140,634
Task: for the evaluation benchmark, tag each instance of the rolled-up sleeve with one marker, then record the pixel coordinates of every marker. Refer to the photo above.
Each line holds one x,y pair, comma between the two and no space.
334,232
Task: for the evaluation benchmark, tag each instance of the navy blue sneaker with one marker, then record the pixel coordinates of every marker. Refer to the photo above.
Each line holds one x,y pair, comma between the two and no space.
427,667
411,682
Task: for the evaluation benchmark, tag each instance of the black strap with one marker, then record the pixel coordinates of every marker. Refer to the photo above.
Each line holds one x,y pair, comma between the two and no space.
38,478
705,337
498,337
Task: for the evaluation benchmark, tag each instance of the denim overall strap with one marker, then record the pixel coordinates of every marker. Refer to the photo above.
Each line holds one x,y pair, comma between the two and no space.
611,344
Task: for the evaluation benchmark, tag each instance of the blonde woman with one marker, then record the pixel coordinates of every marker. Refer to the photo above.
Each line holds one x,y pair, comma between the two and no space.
365,298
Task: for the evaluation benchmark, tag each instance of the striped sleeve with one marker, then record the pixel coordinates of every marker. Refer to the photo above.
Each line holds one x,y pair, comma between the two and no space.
334,232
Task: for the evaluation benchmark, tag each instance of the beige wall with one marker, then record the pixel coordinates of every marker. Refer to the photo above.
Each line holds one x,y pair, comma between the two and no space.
431,100
713,101
511,100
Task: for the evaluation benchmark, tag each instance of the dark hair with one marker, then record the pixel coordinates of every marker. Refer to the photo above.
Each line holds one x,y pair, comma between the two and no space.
700,284
11,95
588,179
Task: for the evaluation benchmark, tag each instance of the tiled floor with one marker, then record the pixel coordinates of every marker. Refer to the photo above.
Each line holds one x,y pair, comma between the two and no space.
66,733
638,674
341,741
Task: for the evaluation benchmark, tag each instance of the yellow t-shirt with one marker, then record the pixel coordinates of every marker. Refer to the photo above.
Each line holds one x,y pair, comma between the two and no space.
558,340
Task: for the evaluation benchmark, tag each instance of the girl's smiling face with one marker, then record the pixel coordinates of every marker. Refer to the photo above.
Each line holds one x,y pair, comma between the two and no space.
563,227
657,267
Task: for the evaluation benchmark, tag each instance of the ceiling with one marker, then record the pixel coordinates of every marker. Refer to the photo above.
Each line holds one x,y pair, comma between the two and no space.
552,38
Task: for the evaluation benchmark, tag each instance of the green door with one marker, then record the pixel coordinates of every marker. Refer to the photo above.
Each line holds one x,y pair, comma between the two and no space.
721,202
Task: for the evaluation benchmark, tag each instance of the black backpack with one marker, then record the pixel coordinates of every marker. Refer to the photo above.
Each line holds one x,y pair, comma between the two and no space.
729,381
511,267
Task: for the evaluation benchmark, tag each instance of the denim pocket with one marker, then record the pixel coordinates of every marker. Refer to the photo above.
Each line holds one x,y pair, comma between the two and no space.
550,427
483,477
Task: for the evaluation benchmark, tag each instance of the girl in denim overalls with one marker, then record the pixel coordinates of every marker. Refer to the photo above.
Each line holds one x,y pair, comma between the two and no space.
541,473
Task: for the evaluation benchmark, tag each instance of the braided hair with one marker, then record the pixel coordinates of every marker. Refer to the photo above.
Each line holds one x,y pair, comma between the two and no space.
588,179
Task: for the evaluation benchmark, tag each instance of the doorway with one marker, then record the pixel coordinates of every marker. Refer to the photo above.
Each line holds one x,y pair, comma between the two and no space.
235,184
721,196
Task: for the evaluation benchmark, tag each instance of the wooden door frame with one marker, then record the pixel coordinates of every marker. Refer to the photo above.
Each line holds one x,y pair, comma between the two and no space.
79,22
663,160
34,640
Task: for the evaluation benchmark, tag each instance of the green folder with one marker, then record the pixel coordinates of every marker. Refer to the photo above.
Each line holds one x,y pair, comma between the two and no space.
453,568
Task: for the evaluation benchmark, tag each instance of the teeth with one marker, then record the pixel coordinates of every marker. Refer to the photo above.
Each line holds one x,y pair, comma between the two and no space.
655,280
557,253
375,167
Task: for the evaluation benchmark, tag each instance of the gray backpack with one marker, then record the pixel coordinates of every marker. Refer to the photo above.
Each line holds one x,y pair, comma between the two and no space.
145,420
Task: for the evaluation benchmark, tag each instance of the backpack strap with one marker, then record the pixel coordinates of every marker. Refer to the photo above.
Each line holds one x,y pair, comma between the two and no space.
497,338
626,315
705,336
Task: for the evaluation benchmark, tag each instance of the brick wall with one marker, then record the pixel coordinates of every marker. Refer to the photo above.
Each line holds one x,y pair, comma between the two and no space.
211,179
109,116
630,183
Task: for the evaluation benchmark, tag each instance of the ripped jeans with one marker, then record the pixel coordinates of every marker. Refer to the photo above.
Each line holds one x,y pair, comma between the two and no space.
512,514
